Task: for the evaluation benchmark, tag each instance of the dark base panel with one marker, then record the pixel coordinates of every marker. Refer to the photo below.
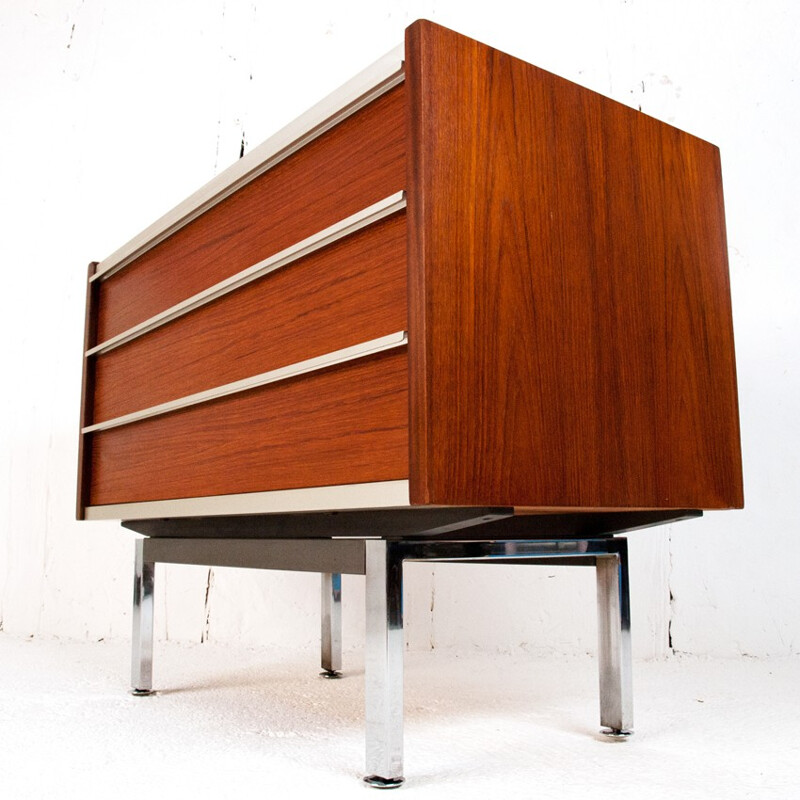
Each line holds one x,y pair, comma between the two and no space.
449,523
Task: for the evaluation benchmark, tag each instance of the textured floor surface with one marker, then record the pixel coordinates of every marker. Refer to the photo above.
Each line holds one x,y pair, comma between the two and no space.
242,723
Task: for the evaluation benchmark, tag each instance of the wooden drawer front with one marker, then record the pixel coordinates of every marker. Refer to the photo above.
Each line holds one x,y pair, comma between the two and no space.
352,166
348,424
350,292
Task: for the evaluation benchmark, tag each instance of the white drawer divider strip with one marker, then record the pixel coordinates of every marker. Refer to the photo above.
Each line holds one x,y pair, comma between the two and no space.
362,350
339,230
375,80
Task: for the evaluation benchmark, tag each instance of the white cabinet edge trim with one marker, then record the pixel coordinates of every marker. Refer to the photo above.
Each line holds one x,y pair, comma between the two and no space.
361,350
347,497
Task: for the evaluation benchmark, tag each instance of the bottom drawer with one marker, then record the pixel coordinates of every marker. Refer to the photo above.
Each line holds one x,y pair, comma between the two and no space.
347,424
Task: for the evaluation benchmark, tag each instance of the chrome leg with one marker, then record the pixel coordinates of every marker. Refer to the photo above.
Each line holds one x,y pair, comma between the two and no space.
331,632
142,640
384,664
614,643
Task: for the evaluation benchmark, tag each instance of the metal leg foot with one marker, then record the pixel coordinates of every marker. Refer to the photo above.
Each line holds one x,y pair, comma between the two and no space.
612,733
376,782
142,639
331,630
614,643
384,665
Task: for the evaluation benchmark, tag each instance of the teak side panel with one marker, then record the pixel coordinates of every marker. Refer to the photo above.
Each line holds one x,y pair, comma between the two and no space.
355,164
345,425
350,292
570,335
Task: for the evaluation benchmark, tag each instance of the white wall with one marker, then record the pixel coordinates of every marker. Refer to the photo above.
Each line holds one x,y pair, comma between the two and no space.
113,111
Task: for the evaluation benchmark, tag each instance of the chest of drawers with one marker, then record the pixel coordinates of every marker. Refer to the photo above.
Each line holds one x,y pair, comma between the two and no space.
461,281
460,299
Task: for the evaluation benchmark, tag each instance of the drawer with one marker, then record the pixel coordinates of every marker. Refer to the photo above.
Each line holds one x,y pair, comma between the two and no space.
359,290
357,163
346,424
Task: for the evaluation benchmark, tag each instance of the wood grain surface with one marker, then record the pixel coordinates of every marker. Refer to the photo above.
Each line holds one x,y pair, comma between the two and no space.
355,164
347,424
350,292
570,327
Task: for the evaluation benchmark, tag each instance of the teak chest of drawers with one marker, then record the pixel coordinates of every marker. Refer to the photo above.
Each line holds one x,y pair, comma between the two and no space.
462,298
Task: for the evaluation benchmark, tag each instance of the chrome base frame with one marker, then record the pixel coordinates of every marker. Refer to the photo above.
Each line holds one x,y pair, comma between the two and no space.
381,561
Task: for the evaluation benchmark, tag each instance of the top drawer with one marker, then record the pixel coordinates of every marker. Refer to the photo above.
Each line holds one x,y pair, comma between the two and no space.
359,162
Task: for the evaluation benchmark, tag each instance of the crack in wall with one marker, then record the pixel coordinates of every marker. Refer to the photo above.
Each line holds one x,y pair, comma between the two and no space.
204,634
432,638
216,149
670,642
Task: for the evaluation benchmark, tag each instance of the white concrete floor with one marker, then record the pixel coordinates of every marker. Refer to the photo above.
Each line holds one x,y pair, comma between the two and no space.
234,722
